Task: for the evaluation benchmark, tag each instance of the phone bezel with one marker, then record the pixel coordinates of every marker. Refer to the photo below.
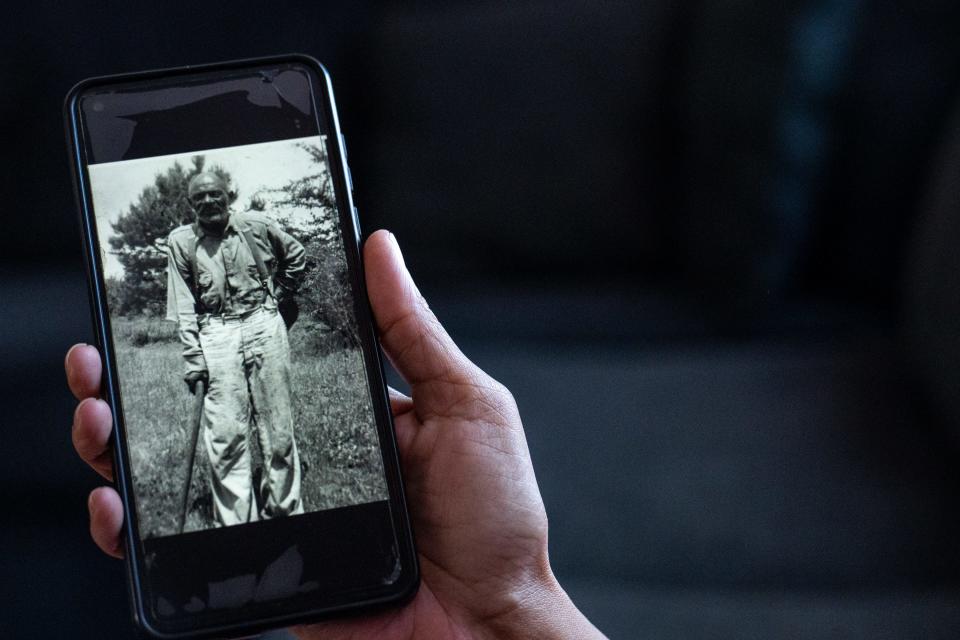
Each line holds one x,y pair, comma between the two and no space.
407,583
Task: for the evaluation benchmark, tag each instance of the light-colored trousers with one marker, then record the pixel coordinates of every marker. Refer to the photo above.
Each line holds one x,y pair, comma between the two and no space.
248,360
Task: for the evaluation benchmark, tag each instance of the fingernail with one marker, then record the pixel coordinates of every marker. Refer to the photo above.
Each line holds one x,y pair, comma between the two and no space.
90,503
79,344
79,411
77,418
66,360
396,247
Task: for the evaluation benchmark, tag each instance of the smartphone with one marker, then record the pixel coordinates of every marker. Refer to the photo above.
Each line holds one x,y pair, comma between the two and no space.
253,443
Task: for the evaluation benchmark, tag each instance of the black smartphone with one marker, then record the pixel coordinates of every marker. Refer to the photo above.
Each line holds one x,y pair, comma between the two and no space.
253,443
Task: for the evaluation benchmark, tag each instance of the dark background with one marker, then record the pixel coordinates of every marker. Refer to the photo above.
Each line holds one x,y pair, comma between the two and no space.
708,245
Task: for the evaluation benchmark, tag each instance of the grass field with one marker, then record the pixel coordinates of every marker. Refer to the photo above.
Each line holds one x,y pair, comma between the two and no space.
333,421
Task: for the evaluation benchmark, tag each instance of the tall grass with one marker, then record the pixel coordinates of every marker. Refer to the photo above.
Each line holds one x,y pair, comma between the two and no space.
333,421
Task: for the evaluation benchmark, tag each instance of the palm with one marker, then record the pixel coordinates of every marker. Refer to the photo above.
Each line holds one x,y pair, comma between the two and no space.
475,517
423,617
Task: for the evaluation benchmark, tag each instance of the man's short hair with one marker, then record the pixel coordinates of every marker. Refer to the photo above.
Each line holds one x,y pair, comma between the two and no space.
220,181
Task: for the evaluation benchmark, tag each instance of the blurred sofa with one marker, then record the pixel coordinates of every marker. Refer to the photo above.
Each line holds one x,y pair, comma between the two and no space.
724,293
709,247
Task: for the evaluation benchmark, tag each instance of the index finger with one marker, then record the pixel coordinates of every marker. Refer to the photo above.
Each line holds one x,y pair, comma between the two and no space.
84,370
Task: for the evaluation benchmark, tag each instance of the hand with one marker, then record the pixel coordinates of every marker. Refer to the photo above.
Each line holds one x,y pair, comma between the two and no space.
478,517
287,306
194,377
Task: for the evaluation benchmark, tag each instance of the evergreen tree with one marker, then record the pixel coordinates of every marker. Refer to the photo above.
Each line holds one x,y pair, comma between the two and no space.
325,293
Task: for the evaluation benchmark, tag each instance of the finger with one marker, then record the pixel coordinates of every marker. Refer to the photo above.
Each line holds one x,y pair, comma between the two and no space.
92,424
84,369
106,520
412,337
400,403
405,426
404,420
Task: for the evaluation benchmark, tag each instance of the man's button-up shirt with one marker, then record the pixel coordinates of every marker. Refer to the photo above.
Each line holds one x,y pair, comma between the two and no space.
227,278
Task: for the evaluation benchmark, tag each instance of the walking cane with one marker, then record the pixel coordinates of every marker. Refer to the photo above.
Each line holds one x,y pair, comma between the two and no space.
201,391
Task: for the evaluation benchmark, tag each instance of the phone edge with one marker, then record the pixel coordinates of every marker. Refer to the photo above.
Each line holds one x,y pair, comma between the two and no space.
97,302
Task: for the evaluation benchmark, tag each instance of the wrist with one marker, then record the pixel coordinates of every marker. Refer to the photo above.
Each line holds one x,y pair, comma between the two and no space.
544,610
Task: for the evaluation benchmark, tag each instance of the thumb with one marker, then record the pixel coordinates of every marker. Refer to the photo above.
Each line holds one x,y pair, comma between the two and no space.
418,346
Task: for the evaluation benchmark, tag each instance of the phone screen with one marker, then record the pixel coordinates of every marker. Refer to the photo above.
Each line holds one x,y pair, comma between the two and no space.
261,475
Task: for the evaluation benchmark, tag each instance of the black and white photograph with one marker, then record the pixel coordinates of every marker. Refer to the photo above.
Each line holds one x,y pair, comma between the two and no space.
237,349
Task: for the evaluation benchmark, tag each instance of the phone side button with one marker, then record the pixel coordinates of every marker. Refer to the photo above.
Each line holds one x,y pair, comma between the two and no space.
356,223
349,179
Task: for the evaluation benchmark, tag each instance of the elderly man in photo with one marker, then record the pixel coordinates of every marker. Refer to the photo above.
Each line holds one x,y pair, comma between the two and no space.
226,274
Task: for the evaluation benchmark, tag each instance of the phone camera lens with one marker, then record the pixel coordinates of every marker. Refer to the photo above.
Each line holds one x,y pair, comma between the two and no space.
98,106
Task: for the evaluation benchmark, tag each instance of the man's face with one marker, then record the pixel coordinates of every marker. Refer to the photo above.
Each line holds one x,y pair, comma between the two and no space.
209,199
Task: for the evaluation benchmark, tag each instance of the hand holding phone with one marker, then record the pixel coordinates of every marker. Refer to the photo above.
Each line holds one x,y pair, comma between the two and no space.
480,521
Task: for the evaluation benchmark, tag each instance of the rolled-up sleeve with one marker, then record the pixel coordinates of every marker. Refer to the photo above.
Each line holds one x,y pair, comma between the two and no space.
181,308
